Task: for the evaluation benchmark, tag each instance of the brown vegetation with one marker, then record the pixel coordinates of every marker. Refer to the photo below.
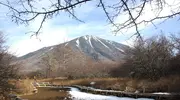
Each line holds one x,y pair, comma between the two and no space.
63,61
22,87
164,84
151,59
7,69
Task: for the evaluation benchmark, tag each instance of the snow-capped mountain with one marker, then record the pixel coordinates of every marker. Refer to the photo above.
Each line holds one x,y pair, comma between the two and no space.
98,48
90,53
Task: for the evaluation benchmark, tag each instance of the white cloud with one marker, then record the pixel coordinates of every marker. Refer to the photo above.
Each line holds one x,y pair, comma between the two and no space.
49,36
53,34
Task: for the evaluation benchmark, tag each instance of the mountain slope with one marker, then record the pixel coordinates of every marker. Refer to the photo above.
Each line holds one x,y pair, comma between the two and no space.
98,48
87,52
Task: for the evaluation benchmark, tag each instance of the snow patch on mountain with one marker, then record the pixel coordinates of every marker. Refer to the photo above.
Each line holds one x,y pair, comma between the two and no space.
103,44
90,42
66,44
109,41
51,48
77,42
85,37
119,49
95,38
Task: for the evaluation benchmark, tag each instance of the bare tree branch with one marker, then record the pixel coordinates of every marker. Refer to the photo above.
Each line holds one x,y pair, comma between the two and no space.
132,18
109,18
17,15
133,9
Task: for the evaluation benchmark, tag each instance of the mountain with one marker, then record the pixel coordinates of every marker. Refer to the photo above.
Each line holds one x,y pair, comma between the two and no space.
98,48
87,53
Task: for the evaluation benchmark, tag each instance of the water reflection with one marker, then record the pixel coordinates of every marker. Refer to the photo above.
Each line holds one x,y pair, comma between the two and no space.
46,93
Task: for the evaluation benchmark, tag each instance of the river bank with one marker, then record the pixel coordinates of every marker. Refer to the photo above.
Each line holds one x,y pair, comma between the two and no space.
49,93
130,86
76,91
164,84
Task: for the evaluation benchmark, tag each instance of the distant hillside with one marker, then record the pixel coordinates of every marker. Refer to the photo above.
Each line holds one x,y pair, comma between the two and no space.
83,55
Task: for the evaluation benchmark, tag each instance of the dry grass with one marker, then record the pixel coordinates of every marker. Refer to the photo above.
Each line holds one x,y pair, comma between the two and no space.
165,84
102,83
169,84
22,86
85,81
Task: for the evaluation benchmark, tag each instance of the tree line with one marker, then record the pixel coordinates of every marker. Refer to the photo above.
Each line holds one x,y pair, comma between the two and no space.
152,58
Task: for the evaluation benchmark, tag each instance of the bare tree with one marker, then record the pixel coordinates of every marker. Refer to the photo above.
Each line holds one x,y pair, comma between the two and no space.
7,69
49,62
25,11
176,42
150,58
174,68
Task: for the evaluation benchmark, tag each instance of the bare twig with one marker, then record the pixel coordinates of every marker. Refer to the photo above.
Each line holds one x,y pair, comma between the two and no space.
29,13
132,18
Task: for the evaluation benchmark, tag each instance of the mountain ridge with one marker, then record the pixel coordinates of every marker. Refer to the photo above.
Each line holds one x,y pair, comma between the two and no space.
87,43
83,55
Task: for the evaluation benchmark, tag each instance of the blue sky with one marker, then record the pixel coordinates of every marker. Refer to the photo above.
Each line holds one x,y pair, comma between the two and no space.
63,28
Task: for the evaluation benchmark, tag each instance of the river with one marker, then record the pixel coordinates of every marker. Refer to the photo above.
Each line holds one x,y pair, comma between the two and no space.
46,93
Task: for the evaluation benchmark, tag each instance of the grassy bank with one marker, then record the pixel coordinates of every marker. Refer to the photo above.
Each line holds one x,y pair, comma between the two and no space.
164,84
22,87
